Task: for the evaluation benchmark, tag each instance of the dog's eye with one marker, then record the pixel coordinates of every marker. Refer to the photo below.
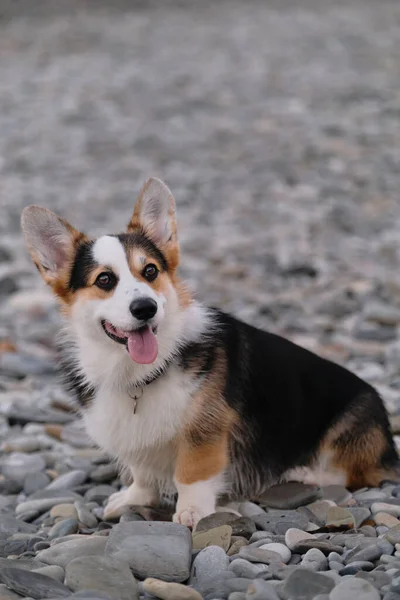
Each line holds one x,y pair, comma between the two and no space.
106,281
150,272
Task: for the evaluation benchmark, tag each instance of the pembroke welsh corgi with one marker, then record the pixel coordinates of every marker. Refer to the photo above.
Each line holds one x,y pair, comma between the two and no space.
190,399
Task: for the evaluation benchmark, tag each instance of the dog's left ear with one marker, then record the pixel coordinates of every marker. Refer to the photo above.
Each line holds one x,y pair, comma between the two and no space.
155,214
51,242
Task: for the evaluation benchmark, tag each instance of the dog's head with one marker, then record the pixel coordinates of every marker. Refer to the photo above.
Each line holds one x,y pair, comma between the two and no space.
118,290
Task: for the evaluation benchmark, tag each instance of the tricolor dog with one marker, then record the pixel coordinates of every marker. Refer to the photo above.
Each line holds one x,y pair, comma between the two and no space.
190,399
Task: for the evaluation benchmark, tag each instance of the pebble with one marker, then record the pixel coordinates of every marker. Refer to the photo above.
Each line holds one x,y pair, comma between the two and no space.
383,518
258,555
280,549
52,571
29,583
305,584
279,521
35,482
391,509
209,563
99,493
63,528
336,493
261,590
354,589
290,495
68,480
154,549
249,509
314,559
62,553
85,516
339,517
218,536
104,574
104,473
64,511
293,536
236,545
356,566
10,525
170,591
244,568
17,466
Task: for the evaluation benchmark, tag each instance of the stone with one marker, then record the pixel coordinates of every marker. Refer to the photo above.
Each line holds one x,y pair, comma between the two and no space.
326,547
170,591
10,525
370,553
85,516
356,566
99,493
236,545
68,480
64,511
360,514
63,528
104,473
243,526
376,578
244,568
305,585
259,556
372,495
337,493
81,546
104,574
249,509
279,521
7,594
354,589
34,482
393,535
52,571
383,518
290,495
18,465
153,549
293,536
280,549
29,583
209,563
314,559
217,536
391,509
338,517
261,590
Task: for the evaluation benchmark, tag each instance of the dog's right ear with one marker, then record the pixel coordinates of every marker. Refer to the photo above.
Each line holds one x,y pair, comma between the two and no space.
51,242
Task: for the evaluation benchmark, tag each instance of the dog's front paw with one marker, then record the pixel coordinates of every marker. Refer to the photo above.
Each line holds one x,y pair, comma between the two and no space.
189,516
119,501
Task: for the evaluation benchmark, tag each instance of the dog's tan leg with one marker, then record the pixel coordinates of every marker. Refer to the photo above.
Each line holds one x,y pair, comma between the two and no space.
199,479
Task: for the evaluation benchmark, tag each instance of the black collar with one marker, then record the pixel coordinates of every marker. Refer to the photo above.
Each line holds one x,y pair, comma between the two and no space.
156,374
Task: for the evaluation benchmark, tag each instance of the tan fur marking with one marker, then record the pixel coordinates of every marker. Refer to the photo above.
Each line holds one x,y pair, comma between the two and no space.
203,462
359,457
203,449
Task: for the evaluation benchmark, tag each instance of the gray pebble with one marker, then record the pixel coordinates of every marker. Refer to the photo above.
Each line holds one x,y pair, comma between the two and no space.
18,466
63,552
306,584
155,549
261,590
354,589
314,559
355,566
244,568
108,575
32,584
68,480
85,516
34,482
62,528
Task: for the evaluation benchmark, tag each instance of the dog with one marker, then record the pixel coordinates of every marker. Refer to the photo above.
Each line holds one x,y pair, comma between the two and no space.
193,401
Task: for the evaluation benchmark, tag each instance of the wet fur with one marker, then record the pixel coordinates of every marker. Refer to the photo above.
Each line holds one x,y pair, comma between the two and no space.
230,409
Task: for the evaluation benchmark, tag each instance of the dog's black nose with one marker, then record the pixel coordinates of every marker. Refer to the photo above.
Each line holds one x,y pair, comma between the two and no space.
143,309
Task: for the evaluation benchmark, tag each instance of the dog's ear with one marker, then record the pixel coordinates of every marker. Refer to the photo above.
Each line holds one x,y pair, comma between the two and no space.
155,214
51,242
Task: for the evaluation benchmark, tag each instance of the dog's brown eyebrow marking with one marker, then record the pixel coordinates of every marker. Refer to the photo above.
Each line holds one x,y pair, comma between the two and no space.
142,242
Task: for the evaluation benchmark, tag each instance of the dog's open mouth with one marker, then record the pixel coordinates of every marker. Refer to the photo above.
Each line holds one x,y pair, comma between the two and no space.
141,343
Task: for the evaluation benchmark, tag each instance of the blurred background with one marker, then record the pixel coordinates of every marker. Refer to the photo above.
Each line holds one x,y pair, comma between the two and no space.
276,125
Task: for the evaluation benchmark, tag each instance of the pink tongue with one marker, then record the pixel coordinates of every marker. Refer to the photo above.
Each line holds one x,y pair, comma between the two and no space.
143,346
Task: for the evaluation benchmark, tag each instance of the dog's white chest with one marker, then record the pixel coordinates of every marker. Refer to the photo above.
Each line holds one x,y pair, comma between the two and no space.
143,437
